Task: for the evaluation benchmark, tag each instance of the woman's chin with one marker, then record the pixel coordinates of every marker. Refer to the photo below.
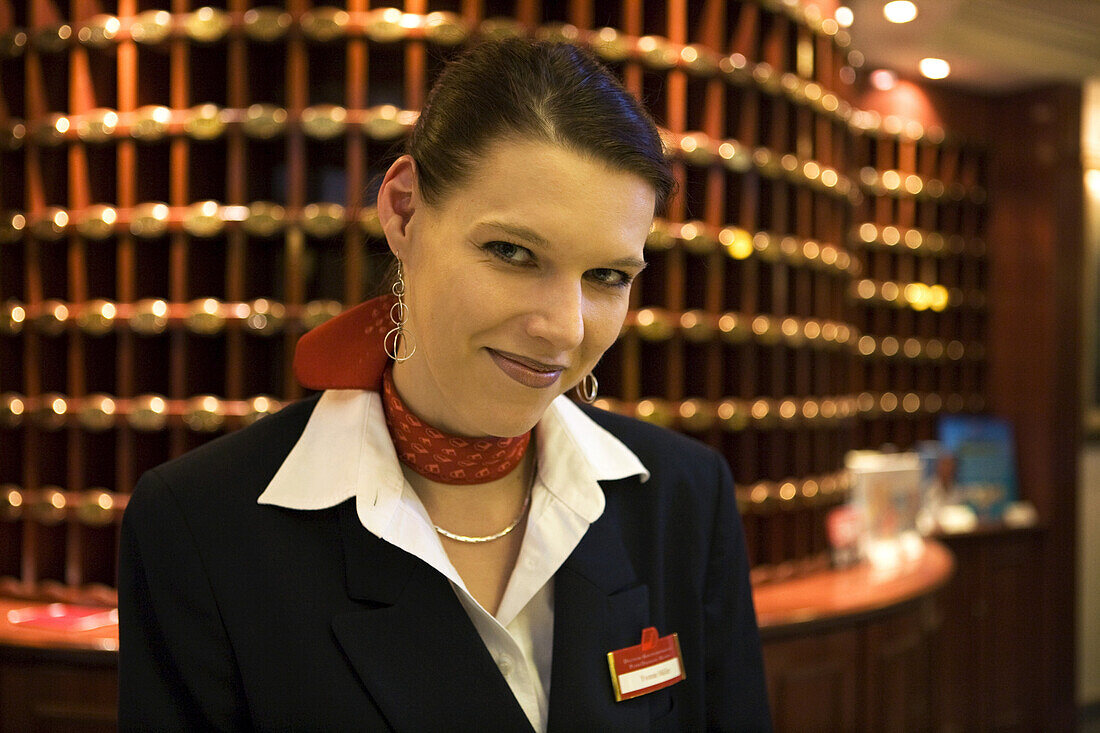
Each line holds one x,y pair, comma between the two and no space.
510,428
502,421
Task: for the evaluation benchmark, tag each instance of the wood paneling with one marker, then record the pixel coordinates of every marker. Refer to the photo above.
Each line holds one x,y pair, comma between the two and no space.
41,696
1036,300
991,655
814,682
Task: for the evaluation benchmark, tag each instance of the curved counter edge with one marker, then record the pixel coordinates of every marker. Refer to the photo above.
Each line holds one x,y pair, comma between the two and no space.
849,595
795,605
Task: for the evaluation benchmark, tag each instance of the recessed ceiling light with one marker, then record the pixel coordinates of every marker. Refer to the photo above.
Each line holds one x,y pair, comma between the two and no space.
883,79
934,68
899,11
844,16
1092,182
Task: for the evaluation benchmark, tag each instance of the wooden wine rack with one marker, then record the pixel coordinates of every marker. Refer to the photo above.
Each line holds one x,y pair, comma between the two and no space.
182,195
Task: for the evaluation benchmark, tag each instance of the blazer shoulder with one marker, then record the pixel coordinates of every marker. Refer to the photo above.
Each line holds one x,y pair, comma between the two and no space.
248,457
656,446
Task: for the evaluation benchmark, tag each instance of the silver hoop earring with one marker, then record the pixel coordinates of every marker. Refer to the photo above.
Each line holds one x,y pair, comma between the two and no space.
397,340
587,389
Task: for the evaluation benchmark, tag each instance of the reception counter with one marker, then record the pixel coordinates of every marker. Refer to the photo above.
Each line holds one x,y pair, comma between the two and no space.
848,595
857,648
853,649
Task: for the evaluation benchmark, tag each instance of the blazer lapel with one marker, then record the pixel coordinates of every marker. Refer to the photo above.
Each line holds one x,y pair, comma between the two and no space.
598,607
413,646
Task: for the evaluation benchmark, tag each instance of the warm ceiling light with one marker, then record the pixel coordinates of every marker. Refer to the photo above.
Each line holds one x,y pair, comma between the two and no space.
899,11
934,68
1092,181
883,79
844,16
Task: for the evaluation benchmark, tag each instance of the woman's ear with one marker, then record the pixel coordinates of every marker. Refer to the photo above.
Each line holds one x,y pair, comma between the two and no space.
397,202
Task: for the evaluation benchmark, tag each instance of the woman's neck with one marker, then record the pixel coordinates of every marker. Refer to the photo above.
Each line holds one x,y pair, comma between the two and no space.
475,510
421,395
480,510
447,458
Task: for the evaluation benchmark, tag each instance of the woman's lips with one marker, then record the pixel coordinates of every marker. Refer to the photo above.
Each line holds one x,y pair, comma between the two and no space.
528,372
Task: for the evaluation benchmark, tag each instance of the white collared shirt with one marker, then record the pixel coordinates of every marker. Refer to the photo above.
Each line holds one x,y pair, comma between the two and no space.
574,453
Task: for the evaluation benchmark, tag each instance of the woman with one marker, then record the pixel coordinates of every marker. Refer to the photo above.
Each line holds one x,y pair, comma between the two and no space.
441,540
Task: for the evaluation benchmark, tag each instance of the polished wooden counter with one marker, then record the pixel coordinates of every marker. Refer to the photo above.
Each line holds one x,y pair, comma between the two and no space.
830,640
102,639
848,594
855,648
57,679
780,606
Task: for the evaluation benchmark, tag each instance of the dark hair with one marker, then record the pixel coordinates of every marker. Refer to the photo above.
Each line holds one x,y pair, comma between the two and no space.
515,88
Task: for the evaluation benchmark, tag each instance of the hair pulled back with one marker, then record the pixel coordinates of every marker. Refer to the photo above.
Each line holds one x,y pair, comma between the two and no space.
531,91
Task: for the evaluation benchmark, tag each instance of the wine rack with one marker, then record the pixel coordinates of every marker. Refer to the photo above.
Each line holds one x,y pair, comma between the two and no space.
183,193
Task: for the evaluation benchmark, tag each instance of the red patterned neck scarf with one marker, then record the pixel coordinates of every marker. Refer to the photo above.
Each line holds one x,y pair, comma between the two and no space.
346,353
448,459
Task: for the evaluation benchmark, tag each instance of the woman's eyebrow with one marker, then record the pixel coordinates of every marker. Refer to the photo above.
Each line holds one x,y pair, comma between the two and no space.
630,263
531,236
520,231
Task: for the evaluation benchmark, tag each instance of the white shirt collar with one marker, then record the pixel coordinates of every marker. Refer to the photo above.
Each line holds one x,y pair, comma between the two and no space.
345,451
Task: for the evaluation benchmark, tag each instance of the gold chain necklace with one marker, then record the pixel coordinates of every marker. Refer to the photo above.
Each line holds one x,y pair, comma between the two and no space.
488,537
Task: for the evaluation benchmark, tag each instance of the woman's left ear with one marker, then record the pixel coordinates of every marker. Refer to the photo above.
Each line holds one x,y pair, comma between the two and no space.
396,202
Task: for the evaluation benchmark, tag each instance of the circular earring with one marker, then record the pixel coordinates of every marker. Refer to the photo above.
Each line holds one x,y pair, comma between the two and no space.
587,388
398,343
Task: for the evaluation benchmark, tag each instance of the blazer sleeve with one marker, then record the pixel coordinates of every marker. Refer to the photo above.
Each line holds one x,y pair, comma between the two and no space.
176,666
736,692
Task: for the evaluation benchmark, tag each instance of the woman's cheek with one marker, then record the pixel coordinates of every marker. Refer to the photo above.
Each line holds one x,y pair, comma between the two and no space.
604,329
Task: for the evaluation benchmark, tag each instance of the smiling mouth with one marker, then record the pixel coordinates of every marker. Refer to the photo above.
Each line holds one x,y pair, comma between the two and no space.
528,372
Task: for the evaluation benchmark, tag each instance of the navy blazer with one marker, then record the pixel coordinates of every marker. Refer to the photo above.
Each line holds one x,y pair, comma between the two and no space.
241,616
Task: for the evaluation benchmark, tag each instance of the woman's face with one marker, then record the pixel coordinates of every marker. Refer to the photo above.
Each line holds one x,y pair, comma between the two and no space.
516,284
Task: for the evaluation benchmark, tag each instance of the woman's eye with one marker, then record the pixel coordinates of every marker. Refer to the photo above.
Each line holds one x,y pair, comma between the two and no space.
509,252
611,278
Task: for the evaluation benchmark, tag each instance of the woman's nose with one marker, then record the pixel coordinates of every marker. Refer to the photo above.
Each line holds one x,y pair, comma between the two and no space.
557,316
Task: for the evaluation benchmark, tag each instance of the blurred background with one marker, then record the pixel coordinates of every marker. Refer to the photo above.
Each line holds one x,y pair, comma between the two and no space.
875,292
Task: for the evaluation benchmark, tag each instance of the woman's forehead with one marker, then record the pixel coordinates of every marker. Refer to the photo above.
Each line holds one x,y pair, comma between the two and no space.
553,201
541,179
